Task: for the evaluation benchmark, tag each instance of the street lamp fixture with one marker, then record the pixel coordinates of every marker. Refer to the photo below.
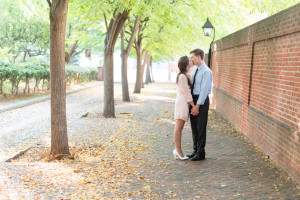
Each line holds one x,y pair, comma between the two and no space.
207,29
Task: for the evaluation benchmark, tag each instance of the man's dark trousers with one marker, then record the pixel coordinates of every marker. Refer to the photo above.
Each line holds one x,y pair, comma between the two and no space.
199,123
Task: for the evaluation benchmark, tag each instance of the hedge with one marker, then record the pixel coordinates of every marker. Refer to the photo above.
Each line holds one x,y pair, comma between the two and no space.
24,72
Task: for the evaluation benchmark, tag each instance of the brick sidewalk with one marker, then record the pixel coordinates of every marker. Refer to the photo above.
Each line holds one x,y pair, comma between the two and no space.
234,168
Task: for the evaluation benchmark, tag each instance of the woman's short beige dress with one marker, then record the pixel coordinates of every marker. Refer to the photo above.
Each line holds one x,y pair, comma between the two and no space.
183,97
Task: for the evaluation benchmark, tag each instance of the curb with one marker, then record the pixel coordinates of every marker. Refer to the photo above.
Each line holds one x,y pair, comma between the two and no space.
20,153
41,99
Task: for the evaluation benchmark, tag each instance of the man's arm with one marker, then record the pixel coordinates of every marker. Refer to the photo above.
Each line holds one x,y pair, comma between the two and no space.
205,87
204,90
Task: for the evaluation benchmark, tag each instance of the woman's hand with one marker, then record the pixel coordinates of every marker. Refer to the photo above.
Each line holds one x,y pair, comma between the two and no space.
192,104
195,110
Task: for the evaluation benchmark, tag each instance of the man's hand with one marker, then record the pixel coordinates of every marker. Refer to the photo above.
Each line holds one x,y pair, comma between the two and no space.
195,110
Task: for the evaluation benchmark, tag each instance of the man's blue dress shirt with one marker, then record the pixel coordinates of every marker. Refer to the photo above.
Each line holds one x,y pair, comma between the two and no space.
203,82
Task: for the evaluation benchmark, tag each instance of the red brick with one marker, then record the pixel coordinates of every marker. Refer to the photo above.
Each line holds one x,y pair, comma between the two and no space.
275,89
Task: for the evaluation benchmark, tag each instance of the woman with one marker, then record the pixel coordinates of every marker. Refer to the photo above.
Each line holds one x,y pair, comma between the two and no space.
182,102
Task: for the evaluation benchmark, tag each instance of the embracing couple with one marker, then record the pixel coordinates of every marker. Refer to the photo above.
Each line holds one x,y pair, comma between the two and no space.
192,101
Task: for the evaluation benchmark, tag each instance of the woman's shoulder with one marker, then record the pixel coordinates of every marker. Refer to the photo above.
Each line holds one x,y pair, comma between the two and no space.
182,76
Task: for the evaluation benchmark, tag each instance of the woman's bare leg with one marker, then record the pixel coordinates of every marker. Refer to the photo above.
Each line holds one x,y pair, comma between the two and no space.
177,135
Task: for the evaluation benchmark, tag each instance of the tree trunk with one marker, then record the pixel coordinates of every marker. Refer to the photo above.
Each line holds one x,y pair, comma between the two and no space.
148,78
139,53
125,90
140,70
26,85
147,56
13,81
150,69
15,57
17,85
138,82
113,31
28,89
59,135
1,85
125,54
24,58
37,83
49,83
109,104
143,69
43,84
151,72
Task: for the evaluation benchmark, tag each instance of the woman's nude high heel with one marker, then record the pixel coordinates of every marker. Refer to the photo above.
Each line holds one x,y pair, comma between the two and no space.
176,155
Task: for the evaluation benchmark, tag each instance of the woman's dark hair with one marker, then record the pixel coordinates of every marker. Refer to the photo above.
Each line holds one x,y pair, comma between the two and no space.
182,65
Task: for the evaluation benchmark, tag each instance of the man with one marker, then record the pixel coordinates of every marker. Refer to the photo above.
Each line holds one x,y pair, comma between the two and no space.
201,87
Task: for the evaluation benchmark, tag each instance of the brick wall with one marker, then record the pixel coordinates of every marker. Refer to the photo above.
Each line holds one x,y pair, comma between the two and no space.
256,77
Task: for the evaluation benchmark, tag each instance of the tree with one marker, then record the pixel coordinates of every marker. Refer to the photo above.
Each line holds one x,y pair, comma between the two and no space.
148,77
23,29
140,68
111,16
138,10
125,54
79,32
150,28
269,7
113,30
59,135
70,47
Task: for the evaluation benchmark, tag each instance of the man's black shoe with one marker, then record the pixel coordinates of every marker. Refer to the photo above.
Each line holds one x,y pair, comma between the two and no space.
198,157
191,155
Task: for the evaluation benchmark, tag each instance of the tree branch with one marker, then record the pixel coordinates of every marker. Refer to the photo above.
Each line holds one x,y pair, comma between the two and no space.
115,11
140,35
161,28
174,1
186,3
145,25
49,3
111,29
105,21
129,33
117,26
133,30
70,29
145,20
58,7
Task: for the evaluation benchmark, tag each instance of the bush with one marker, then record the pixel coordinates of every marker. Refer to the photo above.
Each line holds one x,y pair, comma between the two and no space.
17,72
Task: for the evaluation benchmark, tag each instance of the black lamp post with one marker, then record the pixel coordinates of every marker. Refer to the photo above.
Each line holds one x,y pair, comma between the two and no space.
207,29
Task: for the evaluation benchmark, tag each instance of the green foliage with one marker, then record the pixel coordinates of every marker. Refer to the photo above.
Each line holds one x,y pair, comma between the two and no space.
4,74
14,73
174,27
4,53
80,74
270,7
23,28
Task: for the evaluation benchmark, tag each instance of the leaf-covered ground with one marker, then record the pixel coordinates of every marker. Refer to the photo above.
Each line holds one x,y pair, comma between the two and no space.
129,157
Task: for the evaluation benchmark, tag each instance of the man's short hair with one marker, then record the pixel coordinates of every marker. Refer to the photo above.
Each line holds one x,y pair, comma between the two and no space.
198,52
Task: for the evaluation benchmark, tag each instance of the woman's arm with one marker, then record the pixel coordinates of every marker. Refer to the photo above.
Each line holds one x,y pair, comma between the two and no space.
192,103
185,89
